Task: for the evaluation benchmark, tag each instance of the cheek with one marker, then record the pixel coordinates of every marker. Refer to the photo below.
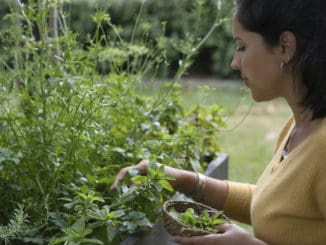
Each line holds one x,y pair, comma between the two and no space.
260,66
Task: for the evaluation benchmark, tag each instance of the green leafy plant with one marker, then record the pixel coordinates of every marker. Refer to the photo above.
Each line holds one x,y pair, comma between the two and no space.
16,225
127,213
67,128
203,221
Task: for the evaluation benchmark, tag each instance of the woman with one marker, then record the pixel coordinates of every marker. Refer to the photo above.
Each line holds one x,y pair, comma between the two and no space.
281,52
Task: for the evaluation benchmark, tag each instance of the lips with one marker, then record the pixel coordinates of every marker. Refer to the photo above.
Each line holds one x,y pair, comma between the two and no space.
245,80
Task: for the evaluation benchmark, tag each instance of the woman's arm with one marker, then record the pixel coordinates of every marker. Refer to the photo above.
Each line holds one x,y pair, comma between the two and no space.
212,193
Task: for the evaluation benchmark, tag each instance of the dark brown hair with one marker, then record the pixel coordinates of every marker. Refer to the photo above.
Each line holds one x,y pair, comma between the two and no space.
307,20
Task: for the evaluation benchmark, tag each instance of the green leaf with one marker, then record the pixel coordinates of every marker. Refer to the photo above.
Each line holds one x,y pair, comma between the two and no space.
196,166
111,231
117,213
94,241
158,187
99,199
58,240
218,221
131,226
143,223
7,155
169,177
119,150
166,185
139,179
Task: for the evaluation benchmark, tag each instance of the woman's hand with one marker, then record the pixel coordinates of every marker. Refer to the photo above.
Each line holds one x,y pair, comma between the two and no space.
184,181
231,235
141,166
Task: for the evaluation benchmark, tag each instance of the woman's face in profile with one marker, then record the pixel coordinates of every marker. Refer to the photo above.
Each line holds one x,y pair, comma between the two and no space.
258,64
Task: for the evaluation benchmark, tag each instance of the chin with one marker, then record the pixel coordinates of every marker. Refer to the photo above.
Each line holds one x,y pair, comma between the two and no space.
261,95
260,98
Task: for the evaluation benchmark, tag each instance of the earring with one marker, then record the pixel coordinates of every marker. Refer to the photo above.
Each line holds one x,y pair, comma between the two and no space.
282,66
283,63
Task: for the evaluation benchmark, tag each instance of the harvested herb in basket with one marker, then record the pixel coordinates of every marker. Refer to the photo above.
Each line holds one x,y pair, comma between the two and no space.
204,221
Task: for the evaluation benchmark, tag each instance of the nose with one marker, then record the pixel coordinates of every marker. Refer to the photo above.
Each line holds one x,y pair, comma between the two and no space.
235,63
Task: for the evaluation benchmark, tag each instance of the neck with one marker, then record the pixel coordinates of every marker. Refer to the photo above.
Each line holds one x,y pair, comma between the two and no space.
294,94
304,126
302,117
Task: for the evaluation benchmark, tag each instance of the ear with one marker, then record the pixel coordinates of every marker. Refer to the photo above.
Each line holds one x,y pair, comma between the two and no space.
288,42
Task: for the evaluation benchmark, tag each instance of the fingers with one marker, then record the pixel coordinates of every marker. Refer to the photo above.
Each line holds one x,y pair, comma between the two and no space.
231,234
119,178
196,240
141,166
207,239
224,228
184,240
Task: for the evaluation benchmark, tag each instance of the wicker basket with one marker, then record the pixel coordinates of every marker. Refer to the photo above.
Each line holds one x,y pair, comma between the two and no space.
176,228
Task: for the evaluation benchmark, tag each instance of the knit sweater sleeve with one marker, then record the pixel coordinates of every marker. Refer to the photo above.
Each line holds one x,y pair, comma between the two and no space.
238,201
321,193
320,180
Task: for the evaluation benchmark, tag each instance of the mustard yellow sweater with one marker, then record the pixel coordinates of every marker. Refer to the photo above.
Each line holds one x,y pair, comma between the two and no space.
287,206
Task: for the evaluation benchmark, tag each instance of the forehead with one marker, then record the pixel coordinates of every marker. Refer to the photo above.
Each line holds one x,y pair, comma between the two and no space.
237,28
250,38
242,34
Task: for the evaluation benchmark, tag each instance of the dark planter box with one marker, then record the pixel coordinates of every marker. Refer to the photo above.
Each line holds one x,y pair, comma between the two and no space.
218,168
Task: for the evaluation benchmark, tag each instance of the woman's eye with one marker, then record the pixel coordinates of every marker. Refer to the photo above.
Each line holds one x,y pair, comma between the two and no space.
240,48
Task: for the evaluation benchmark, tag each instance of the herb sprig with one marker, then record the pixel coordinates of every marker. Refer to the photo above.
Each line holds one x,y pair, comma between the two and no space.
204,221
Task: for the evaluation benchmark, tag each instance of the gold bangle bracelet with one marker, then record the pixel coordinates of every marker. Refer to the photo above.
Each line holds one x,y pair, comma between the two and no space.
197,191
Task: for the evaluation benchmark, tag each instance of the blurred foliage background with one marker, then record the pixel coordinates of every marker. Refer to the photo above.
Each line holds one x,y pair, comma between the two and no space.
213,58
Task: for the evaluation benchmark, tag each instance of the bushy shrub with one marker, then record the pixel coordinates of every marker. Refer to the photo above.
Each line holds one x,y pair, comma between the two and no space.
66,129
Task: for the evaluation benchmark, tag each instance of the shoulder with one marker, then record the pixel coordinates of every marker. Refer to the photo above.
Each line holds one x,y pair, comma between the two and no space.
319,180
319,137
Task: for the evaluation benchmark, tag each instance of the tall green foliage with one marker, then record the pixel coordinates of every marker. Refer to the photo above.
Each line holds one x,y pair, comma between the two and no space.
66,129
180,18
